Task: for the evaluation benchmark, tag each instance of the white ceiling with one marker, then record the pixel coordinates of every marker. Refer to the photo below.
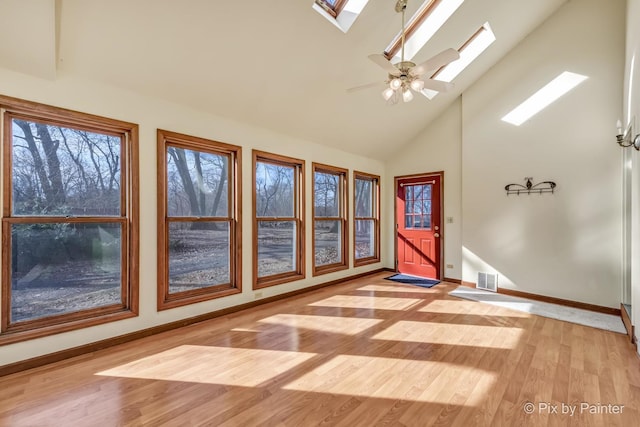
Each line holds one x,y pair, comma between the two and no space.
277,64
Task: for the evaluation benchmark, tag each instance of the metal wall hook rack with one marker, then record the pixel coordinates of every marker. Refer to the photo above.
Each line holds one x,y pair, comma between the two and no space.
529,187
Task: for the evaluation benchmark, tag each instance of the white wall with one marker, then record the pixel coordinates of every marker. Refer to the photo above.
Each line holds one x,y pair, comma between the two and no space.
631,109
436,149
569,244
566,245
90,97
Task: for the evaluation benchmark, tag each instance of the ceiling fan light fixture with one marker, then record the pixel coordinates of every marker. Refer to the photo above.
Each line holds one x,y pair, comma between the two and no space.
393,100
417,85
387,93
407,96
395,83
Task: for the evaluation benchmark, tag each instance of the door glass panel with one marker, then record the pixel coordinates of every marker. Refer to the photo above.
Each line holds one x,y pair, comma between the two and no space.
417,207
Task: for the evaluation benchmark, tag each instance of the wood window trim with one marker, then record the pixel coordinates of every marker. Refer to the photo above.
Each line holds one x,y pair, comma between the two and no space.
165,299
332,10
460,49
411,27
358,262
129,221
299,218
344,194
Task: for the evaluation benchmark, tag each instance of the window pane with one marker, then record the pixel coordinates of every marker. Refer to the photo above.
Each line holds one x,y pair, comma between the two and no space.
365,239
418,206
58,171
198,255
364,198
275,187
276,247
64,268
197,183
327,194
328,237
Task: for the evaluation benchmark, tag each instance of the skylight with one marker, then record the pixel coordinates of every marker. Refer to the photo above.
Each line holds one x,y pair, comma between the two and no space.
421,27
341,13
544,97
333,7
470,50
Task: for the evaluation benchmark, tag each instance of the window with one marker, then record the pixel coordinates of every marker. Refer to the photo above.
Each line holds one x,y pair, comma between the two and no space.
429,18
341,13
366,218
69,220
198,219
278,226
469,51
329,219
333,7
417,208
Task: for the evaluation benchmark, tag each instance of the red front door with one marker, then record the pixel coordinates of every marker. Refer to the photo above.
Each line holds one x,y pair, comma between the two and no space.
418,207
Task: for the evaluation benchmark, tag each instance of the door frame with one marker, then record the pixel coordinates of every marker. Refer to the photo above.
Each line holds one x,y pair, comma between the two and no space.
425,175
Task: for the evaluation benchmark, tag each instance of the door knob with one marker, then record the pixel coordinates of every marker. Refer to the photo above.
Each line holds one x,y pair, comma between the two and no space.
436,234
436,228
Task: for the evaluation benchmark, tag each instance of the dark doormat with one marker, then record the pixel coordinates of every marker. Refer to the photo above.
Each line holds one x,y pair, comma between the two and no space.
413,280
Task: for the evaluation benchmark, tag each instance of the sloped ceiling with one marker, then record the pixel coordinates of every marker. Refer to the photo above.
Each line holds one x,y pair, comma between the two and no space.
276,64
28,34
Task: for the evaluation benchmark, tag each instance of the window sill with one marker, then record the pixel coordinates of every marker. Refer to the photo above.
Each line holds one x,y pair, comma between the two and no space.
17,333
191,297
268,281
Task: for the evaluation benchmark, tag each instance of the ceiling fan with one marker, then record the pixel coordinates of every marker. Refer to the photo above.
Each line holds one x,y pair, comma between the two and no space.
406,77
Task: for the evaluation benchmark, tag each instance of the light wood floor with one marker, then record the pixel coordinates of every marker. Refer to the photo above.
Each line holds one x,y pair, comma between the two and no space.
368,352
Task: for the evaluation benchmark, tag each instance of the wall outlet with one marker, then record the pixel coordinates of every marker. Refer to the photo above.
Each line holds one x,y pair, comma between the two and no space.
257,295
449,265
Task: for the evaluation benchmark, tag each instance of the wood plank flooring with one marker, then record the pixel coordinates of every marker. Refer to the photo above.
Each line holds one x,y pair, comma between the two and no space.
368,352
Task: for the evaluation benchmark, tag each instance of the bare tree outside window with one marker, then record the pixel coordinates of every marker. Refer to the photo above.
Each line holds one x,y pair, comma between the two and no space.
68,218
198,251
366,218
278,213
329,212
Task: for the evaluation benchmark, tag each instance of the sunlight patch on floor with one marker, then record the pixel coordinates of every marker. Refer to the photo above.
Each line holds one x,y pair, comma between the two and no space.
452,334
464,307
386,378
336,325
381,303
212,365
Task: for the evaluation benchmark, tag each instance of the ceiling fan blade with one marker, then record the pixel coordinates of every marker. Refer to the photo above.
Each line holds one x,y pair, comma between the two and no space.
435,62
362,87
437,85
384,63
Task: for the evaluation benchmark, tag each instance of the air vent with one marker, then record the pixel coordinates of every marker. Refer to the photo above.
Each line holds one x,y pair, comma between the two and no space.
488,282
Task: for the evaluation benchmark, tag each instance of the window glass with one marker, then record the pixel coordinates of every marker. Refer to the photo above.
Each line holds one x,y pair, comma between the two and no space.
366,218
278,219
197,183
199,250
61,171
70,221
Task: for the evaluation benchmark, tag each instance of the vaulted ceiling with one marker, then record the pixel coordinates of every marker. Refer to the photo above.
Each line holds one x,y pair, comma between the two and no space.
277,64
